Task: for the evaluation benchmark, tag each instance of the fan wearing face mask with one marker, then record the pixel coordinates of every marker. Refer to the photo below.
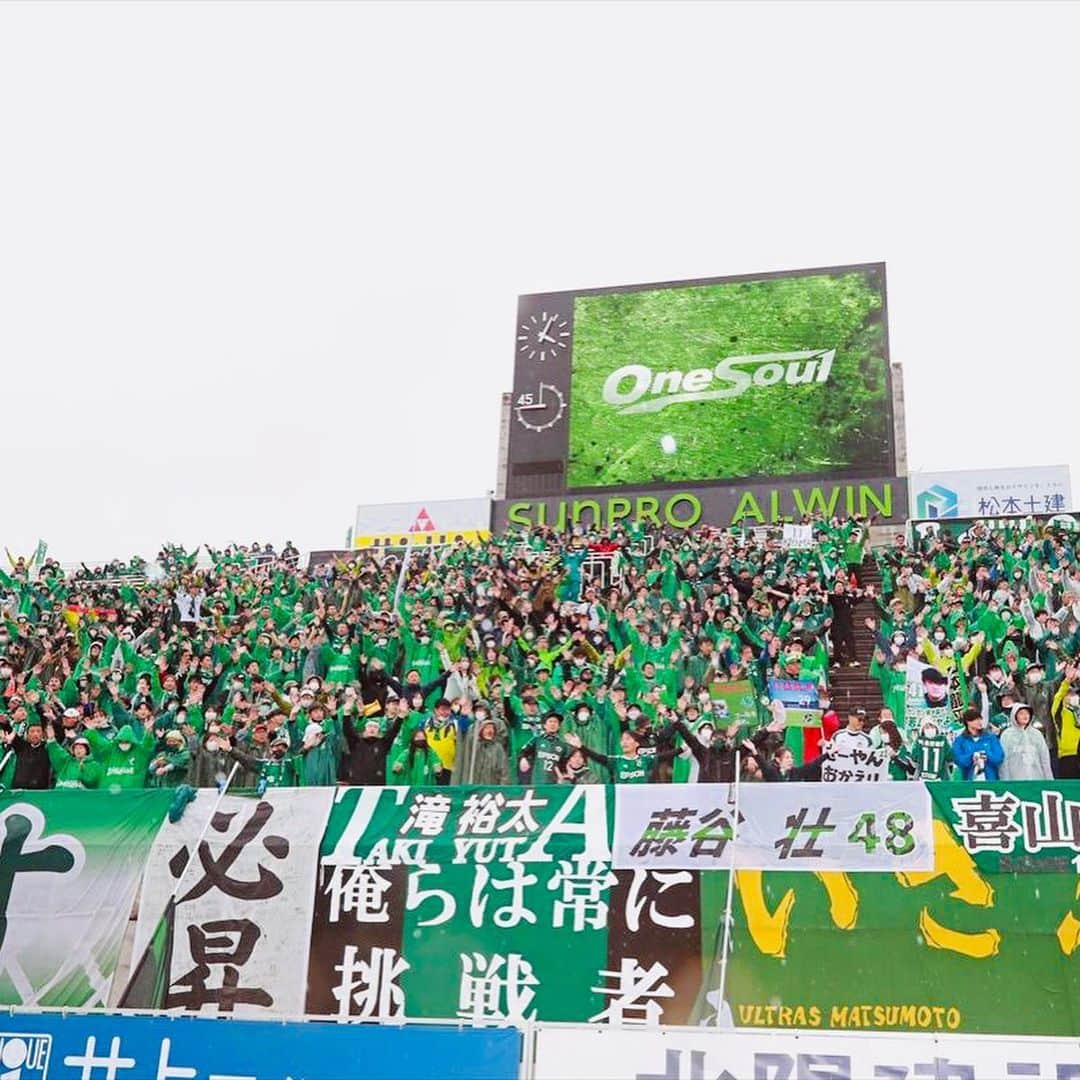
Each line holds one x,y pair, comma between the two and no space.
1065,716
1025,750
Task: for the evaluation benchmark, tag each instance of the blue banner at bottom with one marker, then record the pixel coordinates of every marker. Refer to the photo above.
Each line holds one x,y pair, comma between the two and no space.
50,1046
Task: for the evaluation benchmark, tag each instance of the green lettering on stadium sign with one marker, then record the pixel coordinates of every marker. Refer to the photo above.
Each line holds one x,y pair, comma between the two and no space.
746,506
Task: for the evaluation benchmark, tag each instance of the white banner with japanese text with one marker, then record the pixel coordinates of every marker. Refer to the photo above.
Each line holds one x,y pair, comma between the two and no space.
235,940
854,764
580,1053
785,826
969,493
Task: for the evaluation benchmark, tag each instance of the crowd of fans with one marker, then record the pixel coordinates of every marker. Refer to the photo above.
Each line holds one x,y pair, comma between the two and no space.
537,658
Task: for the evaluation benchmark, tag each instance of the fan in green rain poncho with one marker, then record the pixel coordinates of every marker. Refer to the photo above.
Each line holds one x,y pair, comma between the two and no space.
421,653
124,760
596,730
74,768
380,642
570,588
340,658
169,765
644,680
417,764
320,750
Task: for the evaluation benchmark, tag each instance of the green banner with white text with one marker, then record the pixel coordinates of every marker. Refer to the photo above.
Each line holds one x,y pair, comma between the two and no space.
70,867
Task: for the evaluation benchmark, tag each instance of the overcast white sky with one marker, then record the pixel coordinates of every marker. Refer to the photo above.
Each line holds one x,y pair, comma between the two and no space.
259,262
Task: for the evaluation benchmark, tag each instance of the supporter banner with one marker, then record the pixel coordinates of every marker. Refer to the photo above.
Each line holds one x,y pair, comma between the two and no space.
781,827
801,694
938,950
925,532
798,536
47,1046
70,867
225,910
606,1054
929,695
437,521
1017,828
485,904
734,703
1034,489
713,504
497,905
854,765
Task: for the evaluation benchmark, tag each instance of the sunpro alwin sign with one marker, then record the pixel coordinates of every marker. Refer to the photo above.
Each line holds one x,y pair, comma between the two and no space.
683,508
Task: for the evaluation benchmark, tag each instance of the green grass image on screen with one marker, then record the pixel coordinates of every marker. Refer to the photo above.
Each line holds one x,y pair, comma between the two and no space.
776,430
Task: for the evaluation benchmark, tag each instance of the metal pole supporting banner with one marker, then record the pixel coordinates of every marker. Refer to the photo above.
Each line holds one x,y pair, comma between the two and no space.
725,947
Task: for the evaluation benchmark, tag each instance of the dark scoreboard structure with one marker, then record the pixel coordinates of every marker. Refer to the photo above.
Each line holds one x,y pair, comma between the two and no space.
722,381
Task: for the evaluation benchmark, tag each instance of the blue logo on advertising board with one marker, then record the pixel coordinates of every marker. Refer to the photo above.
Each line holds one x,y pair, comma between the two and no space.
937,501
24,1056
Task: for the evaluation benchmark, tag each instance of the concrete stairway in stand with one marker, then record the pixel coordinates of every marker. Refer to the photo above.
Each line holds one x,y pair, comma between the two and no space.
852,687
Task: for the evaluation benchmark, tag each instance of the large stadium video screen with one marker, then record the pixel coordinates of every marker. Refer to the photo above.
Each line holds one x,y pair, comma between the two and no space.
785,376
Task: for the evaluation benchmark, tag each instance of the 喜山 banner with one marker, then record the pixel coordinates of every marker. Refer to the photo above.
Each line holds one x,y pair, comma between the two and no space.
70,868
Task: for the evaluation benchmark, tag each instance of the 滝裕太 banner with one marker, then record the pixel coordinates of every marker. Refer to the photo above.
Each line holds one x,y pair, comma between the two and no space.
492,905
70,868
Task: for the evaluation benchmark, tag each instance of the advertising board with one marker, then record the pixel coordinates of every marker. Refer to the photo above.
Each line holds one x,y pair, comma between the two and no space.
746,505
54,1046
770,375
991,493
605,1054
436,521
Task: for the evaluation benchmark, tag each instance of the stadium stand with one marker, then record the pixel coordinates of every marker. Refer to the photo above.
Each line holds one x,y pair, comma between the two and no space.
545,658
